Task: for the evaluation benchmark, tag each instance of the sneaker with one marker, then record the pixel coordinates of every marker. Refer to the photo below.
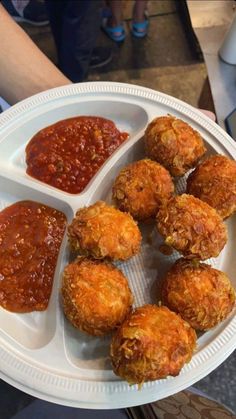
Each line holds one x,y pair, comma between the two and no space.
100,57
33,12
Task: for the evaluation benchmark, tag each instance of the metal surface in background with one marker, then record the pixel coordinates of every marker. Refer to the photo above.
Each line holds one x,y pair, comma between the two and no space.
211,20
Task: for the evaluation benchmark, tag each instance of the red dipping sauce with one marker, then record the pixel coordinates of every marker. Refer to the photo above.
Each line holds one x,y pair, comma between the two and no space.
67,154
30,240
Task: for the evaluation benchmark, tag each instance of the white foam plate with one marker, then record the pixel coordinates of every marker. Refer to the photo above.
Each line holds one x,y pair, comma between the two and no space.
41,353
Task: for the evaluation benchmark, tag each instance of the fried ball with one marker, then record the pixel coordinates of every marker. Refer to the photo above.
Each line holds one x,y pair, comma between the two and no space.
102,231
151,344
192,227
141,187
203,296
174,144
214,182
95,296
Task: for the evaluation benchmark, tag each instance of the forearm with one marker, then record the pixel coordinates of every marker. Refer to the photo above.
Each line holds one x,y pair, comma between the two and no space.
24,69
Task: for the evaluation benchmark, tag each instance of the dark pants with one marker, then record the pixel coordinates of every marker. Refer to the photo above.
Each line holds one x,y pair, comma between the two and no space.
75,25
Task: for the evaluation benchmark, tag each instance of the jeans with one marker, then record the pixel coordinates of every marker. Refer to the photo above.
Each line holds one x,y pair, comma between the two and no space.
75,26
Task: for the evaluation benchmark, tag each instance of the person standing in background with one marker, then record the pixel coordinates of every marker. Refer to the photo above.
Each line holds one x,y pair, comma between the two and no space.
75,25
113,25
24,69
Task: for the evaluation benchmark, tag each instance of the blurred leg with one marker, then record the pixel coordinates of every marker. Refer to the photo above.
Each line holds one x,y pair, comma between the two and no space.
116,13
113,25
55,14
75,25
140,21
139,10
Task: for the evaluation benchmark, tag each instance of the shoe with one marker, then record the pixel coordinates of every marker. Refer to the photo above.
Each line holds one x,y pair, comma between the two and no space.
34,13
140,29
116,33
100,57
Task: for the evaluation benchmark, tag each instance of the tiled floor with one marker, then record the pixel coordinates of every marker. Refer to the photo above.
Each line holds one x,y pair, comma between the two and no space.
163,61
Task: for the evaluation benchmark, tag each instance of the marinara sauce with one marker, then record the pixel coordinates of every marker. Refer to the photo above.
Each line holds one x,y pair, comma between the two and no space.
67,154
30,240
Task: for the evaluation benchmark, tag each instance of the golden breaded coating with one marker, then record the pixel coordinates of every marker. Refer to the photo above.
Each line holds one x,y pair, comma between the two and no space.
192,227
151,344
103,231
214,182
203,296
95,295
174,144
141,187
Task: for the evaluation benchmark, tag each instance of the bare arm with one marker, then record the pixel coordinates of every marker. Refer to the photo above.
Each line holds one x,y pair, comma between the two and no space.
24,69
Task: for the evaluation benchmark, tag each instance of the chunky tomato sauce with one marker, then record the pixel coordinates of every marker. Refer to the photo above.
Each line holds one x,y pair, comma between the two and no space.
67,154
30,240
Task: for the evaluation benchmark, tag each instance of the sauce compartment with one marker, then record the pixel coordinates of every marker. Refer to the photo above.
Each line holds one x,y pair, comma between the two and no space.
128,117
35,329
68,154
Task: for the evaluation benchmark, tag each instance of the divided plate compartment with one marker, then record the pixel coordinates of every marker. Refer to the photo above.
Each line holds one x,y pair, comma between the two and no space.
41,353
